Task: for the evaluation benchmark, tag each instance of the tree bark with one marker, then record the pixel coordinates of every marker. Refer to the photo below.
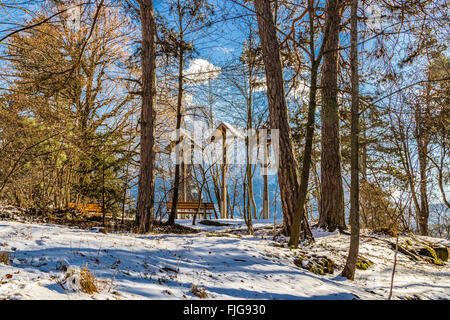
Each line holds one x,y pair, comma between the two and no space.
352,259
146,192
288,175
249,176
265,210
176,183
307,153
422,139
223,189
332,201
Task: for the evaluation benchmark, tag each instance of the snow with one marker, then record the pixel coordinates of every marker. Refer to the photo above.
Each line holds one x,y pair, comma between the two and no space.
223,260
233,131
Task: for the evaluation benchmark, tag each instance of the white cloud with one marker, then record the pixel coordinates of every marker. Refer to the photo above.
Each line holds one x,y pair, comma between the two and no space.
260,84
200,71
301,91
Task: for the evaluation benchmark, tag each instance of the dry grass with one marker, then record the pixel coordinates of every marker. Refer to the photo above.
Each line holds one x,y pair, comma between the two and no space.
83,280
199,292
4,257
88,281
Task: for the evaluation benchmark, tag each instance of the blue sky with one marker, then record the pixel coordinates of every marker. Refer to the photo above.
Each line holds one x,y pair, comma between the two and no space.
220,44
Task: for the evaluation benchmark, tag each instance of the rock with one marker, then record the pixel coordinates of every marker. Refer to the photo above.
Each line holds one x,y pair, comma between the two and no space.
317,265
328,265
4,257
430,256
428,252
363,263
435,261
431,253
442,253
411,255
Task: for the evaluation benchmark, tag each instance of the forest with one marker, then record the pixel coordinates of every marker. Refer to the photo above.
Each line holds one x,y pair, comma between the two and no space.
294,139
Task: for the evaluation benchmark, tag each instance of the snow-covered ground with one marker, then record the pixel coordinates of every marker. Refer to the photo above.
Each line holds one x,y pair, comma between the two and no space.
227,264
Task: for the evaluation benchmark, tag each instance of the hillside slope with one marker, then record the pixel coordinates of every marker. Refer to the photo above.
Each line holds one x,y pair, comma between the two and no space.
45,261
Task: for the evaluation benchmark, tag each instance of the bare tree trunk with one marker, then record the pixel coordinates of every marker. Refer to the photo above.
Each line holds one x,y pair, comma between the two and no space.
363,196
288,176
307,154
265,210
176,183
146,193
422,139
332,202
317,188
215,175
223,189
352,259
103,186
248,209
183,181
124,198
248,152
393,269
127,169
424,208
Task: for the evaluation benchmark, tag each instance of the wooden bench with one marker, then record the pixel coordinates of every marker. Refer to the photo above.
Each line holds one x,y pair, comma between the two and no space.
185,208
91,208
